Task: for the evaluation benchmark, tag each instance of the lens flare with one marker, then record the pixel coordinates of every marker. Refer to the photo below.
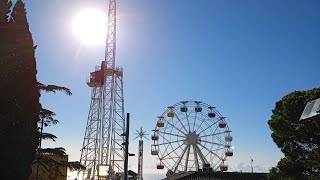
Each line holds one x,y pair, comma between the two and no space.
90,26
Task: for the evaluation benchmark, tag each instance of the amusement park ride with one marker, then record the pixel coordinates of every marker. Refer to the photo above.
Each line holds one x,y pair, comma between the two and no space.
188,136
191,136
141,134
102,152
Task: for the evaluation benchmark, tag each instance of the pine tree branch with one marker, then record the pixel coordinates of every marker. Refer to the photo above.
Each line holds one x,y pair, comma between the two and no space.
54,88
47,117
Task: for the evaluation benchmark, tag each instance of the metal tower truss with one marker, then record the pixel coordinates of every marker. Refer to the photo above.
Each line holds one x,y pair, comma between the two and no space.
111,36
103,140
90,150
118,124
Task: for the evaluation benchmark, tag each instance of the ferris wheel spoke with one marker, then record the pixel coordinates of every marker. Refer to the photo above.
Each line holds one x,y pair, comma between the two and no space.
193,164
199,126
195,157
212,143
218,149
167,145
212,134
213,165
211,152
202,158
207,127
168,154
182,123
218,137
167,139
180,158
170,142
174,126
215,130
187,159
212,158
170,158
217,164
171,134
187,116
194,121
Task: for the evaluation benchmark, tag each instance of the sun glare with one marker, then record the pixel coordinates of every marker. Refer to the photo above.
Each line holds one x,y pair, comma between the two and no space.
90,26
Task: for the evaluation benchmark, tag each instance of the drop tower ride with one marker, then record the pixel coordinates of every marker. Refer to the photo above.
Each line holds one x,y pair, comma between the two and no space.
102,152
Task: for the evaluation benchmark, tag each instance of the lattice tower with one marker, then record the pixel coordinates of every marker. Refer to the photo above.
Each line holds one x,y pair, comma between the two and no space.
102,145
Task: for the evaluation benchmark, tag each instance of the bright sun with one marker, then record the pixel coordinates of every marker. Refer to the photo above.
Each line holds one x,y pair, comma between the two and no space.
90,26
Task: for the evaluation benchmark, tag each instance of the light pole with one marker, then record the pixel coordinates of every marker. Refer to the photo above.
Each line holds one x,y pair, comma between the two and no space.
251,165
126,148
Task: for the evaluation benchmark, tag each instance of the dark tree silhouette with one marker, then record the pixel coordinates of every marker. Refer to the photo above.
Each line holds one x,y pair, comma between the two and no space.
46,156
298,140
19,95
5,6
20,109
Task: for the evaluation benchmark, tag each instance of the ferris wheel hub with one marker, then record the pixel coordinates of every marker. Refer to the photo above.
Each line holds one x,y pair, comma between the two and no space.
192,138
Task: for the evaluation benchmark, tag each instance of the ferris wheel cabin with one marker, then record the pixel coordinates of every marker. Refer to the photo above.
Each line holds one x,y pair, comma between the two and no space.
222,124
228,138
154,150
211,113
160,166
160,123
154,137
198,109
229,153
223,167
183,109
171,112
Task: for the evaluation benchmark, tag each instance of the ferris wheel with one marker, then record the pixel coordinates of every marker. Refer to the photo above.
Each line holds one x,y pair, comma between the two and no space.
192,136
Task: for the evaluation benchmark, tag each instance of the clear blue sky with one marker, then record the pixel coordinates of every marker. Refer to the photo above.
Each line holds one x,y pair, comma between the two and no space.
240,56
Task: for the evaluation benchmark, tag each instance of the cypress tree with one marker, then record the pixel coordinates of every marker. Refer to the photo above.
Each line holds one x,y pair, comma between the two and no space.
20,109
5,6
19,98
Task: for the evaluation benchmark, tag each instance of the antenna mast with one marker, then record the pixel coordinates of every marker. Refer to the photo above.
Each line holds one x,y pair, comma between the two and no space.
142,134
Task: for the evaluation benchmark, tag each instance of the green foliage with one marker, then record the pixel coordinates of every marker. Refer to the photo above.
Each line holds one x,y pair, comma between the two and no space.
19,93
19,96
275,174
46,136
5,6
45,156
47,117
54,88
298,140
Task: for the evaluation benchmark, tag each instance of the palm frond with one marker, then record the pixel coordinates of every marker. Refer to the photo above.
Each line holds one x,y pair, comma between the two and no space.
46,136
75,166
60,152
